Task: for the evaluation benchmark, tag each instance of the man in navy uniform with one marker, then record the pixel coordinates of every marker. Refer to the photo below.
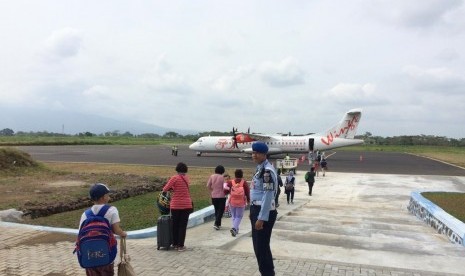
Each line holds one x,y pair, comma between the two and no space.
262,209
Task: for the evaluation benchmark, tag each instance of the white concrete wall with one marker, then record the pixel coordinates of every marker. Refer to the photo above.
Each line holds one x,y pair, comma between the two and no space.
437,218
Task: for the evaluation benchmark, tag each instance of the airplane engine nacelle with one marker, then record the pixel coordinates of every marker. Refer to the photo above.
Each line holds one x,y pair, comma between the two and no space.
243,138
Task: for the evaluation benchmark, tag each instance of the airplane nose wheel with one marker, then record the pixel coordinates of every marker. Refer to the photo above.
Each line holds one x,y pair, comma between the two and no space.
199,153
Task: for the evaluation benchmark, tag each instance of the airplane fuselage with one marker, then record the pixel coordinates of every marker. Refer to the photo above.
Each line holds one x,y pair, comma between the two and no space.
276,144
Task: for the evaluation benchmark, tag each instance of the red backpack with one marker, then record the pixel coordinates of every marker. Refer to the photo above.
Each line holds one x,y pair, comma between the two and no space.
237,196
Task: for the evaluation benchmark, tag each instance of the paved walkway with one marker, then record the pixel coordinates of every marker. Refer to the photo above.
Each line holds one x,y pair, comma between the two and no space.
355,224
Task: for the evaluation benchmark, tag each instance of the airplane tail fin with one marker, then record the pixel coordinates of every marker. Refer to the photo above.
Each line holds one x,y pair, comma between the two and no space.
347,127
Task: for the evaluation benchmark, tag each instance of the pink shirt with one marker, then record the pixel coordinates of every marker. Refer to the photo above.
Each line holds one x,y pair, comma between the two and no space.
180,196
215,185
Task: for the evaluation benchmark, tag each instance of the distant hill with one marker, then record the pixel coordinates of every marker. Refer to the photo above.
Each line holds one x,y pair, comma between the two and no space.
74,123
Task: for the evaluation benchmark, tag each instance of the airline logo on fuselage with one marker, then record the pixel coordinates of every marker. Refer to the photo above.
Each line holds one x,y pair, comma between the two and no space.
224,144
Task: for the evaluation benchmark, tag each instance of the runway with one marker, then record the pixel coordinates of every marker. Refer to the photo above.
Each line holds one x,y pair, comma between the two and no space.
339,161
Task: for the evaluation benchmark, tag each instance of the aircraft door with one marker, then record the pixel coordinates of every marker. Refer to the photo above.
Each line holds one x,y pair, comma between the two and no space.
311,143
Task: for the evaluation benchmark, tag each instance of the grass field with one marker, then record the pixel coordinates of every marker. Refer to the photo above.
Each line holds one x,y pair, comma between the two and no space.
452,203
452,155
56,182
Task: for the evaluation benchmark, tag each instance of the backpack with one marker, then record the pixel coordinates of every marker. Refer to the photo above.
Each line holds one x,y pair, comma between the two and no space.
289,184
307,175
163,202
96,244
237,196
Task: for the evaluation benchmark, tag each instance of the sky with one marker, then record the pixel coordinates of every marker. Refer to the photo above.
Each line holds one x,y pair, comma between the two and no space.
273,66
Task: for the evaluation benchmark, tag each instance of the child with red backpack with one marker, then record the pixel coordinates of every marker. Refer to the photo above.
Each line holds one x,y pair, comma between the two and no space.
239,197
96,246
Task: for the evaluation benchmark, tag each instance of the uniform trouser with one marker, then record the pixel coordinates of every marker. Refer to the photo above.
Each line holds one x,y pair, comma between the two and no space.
180,219
219,204
276,199
261,241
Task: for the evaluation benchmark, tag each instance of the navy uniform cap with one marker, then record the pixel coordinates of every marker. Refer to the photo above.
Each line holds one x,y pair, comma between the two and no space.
260,147
98,190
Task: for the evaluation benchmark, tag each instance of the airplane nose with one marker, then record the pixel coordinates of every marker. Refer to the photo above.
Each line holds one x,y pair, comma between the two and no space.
192,146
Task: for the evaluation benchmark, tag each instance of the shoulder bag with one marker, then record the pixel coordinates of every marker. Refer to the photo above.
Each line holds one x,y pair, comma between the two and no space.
192,210
124,267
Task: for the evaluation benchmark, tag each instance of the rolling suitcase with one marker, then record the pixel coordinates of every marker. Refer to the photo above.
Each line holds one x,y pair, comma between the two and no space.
164,233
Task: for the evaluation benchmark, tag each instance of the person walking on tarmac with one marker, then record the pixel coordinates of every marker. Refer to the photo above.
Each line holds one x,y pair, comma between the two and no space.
310,179
239,197
262,209
324,166
215,185
290,187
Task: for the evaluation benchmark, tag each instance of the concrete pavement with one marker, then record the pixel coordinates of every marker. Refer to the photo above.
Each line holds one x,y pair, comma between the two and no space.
354,224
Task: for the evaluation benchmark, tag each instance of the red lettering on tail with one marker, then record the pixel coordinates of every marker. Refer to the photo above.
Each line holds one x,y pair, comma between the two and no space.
351,125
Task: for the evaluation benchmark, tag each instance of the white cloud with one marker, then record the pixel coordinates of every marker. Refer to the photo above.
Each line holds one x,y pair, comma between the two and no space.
230,80
286,72
418,13
163,78
96,91
62,44
437,79
424,13
354,94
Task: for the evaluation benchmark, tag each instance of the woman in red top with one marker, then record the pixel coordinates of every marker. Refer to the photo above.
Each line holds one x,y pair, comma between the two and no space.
180,205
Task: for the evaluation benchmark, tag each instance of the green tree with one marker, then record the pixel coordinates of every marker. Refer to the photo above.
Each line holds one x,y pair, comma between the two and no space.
171,134
7,132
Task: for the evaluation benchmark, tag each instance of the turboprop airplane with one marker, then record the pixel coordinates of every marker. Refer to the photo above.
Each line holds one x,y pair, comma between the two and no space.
340,135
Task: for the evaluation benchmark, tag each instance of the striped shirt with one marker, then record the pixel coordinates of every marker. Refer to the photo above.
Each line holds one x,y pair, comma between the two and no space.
180,196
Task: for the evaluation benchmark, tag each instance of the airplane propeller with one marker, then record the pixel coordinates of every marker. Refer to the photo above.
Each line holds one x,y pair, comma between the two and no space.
234,137
240,137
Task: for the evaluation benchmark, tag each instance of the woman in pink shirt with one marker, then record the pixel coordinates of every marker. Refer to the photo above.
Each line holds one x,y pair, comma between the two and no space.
215,186
180,205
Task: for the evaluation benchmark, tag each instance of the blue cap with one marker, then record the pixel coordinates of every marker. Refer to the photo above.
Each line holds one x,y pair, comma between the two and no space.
260,147
98,190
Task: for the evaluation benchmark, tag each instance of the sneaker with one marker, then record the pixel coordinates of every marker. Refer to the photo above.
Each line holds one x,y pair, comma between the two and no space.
233,232
216,227
292,202
181,249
